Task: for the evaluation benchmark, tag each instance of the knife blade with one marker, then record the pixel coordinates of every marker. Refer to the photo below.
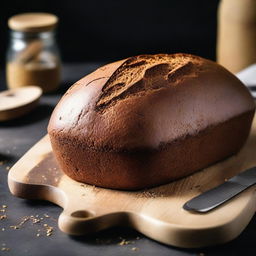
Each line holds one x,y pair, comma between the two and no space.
215,197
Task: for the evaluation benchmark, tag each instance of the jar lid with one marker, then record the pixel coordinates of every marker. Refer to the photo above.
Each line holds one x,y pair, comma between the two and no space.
18,101
33,22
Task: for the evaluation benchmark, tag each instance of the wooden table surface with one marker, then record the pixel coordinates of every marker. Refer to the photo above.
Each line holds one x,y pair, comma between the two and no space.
30,227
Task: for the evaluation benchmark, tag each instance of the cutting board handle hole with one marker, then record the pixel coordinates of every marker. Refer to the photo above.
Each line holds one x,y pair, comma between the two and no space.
82,214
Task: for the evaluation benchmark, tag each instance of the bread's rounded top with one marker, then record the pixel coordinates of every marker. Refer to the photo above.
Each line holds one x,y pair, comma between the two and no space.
33,22
147,101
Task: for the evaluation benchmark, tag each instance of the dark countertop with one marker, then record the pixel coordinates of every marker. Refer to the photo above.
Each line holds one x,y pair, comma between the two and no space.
16,138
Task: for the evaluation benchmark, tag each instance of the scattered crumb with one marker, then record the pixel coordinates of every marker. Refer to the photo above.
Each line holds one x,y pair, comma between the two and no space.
5,249
201,254
134,249
124,242
15,227
48,230
36,220
48,234
150,194
3,208
137,238
2,217
7,168
225,180
24,220
3,229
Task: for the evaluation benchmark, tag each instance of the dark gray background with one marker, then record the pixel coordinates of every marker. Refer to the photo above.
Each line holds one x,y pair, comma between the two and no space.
114,29
16,138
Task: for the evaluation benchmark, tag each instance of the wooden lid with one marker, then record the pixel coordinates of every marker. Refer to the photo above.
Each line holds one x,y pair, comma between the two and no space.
33,22
19,101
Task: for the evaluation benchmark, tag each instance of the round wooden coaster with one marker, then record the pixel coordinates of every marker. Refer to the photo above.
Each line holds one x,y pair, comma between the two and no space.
19,101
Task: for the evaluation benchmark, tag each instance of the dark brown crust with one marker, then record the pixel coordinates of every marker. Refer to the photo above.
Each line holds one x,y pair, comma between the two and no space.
148,120
142,169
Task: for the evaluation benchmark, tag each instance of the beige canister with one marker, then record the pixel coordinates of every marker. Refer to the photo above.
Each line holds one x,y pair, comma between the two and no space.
236,37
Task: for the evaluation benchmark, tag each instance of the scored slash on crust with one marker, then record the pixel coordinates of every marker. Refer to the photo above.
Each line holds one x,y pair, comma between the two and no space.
138,74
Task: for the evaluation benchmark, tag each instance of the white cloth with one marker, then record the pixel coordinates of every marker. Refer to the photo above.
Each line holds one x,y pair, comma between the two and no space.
248,77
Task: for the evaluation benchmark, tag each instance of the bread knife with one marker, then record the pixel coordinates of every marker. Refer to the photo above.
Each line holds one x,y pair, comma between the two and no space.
217,196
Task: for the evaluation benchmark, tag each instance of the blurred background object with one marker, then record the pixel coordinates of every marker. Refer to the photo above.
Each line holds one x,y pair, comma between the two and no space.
111,30
236,46
17,102
33,56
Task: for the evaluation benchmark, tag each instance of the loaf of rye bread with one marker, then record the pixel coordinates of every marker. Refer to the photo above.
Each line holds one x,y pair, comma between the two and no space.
148,120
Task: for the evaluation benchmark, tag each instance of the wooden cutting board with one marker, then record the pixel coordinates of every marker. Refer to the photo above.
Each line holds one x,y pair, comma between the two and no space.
155,212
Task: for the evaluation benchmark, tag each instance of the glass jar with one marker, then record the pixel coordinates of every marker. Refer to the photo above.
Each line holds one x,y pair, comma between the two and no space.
33,56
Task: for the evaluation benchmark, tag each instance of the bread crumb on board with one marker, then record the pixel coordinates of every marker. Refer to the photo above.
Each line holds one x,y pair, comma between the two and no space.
150,194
